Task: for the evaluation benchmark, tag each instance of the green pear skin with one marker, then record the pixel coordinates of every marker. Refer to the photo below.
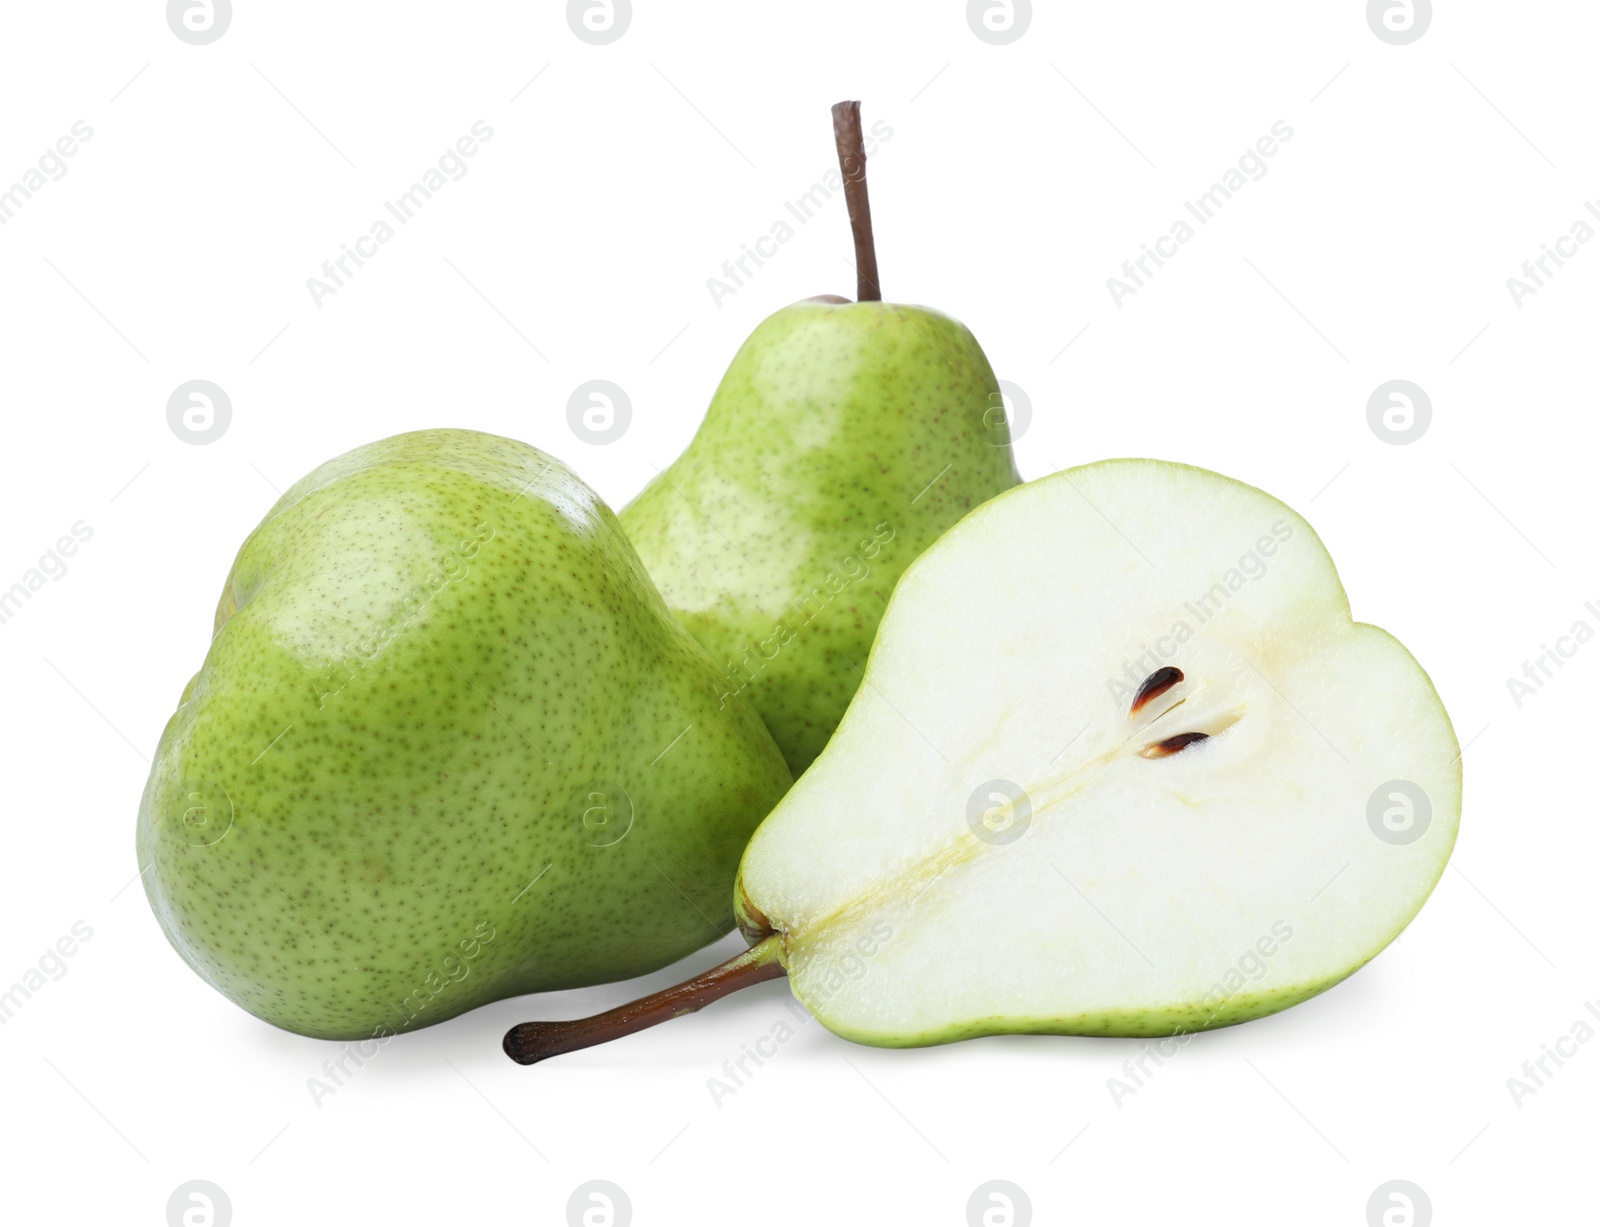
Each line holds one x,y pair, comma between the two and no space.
843,440
447,746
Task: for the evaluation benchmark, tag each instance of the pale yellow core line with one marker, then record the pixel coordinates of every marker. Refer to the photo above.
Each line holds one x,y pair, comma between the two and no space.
965,845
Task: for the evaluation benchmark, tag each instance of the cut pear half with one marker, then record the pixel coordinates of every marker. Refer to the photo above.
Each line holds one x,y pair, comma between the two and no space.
1121,764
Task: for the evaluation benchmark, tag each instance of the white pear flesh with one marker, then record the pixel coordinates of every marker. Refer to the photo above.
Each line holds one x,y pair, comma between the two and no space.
1127,891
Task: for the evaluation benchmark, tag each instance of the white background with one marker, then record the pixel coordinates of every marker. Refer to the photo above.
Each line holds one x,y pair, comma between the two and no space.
1017,180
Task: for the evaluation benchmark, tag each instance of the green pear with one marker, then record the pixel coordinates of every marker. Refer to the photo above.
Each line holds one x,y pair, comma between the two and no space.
1123,765
447,746
843,440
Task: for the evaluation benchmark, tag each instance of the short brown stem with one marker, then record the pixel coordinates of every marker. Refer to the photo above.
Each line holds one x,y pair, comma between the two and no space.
853,165
535,1041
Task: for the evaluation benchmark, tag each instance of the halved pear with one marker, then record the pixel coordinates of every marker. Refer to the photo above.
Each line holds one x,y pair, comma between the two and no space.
1122,764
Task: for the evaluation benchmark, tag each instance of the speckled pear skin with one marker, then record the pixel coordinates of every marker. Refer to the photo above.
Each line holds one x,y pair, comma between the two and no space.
844,439
1177,1024
439,674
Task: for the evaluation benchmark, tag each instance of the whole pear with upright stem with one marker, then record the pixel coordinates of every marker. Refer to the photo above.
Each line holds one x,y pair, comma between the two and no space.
844,438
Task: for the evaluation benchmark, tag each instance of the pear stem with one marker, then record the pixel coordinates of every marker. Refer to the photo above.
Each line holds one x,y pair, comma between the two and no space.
853,165
535,1041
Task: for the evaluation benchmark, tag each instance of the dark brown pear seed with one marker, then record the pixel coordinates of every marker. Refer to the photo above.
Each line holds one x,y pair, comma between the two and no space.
1156,685
1172,745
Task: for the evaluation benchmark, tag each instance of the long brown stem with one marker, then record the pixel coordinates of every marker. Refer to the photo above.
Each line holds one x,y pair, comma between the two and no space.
534,1041
853,165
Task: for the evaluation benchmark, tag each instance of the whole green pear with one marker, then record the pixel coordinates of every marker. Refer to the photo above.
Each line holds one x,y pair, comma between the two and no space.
447,746
844,439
